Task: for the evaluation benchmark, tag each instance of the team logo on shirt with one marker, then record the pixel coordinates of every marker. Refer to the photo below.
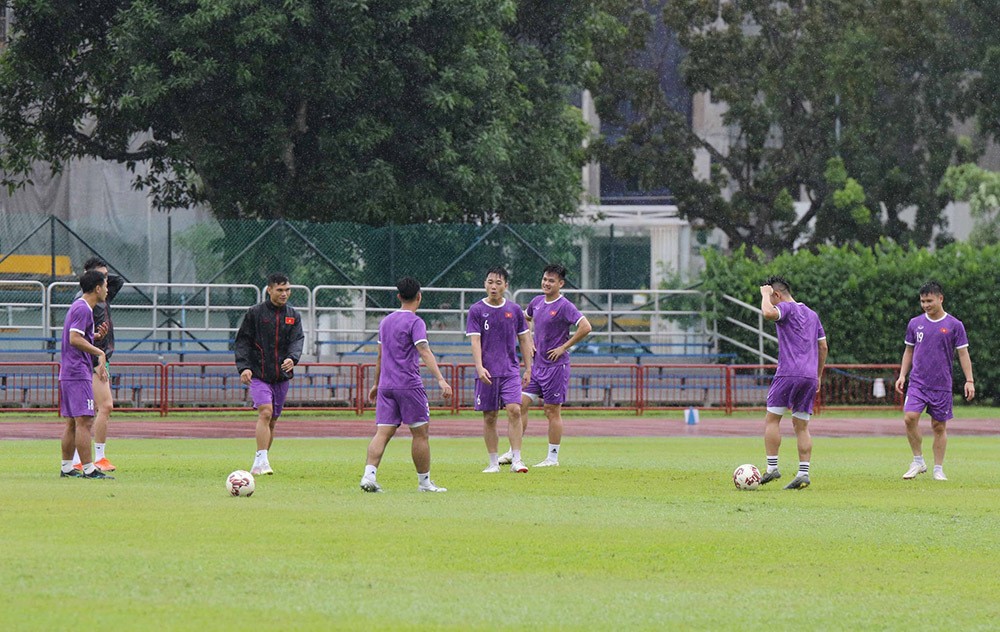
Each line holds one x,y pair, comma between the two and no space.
289,320
508,315
552,312
944,330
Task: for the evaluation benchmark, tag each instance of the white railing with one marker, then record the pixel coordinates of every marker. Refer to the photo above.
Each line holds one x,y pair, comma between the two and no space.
341,320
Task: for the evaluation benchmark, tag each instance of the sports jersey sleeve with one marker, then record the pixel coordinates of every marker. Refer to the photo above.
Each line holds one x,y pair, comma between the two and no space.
820,332
418,333
961,339
82,322
522,323
573,315
911,336
529,311
473,326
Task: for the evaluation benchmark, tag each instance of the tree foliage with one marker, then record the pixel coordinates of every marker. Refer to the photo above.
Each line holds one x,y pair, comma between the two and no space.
406,111
981,189
874,84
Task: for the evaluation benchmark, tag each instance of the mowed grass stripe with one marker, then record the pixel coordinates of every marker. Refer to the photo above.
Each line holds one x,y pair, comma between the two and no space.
628,533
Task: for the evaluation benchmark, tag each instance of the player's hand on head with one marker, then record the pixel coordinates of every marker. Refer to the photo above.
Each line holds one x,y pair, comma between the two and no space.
766,290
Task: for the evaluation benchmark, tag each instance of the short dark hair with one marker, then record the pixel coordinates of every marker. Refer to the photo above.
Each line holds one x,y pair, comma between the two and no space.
277,278
91,279
408,288
931,287
779,283
555,268
94,263
499,271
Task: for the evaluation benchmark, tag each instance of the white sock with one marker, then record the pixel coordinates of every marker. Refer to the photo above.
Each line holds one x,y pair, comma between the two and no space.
89,468
803,468
370,471
938,468
76,457
772,463
98,451
494,459
553,452
260,458
424,479
919,460
67,465
515,455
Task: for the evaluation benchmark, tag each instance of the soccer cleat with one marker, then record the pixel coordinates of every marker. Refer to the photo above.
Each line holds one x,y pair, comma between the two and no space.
506,458
548,463
98,474
260,470
939,475
493,469
74,473
519,467
105,465
369,485
799,482
915,468
767,477
78,467
431,487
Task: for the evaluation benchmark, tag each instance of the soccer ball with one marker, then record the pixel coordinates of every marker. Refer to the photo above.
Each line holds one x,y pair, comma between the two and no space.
746,477
241,483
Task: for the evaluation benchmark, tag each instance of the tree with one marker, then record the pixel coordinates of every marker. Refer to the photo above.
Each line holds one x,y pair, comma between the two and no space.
981,189
875,84
407,111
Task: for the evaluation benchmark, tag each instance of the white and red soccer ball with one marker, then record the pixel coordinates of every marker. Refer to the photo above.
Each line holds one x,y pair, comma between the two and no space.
240,483
746,477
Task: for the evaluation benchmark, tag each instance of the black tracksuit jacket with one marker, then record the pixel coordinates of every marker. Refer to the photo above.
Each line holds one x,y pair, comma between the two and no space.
267,336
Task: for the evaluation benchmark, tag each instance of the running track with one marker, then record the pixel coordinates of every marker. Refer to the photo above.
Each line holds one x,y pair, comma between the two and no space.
668,426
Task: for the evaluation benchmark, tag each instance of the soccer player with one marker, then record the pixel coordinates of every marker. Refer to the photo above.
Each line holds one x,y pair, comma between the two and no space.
268,346
398,392
496,327
931,342
76,376
104,339
551,315
802,353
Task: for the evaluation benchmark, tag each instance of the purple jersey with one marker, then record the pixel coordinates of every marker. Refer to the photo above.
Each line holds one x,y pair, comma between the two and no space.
498,328
934,343
552,322
799,331
399,333
76,364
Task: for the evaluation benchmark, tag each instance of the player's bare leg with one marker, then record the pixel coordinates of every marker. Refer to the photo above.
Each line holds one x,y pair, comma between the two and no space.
421,452
491,439
515,432
772,443
940,429
912,421
104,403
553,413
265,435
376,448
508,457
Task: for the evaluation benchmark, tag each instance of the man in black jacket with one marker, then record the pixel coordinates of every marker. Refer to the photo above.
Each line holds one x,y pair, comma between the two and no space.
268,346
104,339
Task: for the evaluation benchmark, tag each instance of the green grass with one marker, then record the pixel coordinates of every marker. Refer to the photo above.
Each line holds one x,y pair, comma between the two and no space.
628,533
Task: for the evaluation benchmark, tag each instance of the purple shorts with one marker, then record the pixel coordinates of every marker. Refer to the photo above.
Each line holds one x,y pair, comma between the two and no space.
76,398
794,394
550,383
274,394
504,391
937,403
395,406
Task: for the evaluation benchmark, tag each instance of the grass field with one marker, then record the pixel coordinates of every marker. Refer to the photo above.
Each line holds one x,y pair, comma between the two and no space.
627,534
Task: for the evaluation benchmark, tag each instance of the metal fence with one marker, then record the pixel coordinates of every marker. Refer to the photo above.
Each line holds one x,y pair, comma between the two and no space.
180,387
